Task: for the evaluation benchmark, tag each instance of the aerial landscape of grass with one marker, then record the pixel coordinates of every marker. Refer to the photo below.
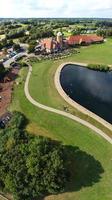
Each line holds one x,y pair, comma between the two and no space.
101,54
60,128
43,74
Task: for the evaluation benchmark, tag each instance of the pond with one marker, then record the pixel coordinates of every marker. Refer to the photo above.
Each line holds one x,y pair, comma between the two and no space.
91,89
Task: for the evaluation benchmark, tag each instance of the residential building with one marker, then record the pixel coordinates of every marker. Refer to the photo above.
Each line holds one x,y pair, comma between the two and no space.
84,39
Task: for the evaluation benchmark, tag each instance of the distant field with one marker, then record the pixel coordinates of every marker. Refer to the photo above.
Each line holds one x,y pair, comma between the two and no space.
70,133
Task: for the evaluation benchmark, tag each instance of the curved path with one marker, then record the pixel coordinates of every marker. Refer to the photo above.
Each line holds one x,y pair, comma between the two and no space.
3,197
59,112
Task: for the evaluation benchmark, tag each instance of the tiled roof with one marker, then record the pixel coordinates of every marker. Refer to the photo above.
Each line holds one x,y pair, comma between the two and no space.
96,38
49,43
88,39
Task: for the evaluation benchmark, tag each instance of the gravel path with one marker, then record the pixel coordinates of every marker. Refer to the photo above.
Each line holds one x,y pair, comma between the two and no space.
59,112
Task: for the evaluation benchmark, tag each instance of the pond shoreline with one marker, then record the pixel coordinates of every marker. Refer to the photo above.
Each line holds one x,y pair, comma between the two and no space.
100,67
72,102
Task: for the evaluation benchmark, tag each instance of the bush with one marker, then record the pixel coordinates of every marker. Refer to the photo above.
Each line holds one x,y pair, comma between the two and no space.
99,67
31,48
16,47
18,120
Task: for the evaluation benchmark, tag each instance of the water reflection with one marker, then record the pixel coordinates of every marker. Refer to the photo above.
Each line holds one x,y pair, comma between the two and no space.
90,88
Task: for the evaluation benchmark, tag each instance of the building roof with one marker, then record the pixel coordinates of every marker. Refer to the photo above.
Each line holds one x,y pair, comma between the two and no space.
88,39
96,38
49,43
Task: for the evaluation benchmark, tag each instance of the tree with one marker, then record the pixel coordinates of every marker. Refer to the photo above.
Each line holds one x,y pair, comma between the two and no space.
31,48
76,31
30,166
16,47
15,34
46,160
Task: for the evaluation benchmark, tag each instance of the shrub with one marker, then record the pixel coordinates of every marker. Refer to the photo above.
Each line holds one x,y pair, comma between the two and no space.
99,67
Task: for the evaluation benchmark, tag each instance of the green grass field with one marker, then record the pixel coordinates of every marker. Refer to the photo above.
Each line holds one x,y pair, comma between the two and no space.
65,130
43,74
101,53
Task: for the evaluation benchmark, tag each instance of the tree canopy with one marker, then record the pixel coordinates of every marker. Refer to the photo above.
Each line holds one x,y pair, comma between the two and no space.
30,166
16,47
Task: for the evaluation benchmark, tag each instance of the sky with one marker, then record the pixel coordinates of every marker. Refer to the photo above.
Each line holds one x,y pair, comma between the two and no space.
56,8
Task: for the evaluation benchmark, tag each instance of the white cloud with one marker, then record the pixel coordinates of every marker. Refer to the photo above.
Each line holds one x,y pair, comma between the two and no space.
55,8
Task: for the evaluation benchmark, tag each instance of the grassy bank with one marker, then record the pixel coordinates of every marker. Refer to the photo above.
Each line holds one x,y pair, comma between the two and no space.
43,74
73,134
60,128
99,67
98,53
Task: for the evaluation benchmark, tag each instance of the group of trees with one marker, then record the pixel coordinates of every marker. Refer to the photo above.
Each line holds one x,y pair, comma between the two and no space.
76,31
15,34
30,166
6,43
36,32
9,43
104,32
104,23
31,48
16,47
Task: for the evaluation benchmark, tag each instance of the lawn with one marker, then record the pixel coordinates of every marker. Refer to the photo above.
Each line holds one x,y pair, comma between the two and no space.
65,130
43,74
101,53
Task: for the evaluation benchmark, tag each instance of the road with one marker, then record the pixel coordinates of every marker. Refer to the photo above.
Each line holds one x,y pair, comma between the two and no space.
9,61
59,112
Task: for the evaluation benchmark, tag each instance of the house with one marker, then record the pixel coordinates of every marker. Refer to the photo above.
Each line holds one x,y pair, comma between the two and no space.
96,39
50,45
84,40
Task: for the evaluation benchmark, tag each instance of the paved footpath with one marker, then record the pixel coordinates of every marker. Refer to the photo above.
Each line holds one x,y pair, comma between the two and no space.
4,198
59,112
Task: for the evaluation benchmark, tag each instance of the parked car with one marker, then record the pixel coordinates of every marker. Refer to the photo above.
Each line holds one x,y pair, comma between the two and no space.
2,125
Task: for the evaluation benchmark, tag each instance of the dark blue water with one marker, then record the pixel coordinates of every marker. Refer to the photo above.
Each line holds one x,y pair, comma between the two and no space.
91,89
